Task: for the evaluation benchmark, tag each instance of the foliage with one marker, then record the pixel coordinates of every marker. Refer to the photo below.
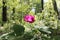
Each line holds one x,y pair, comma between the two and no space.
44,28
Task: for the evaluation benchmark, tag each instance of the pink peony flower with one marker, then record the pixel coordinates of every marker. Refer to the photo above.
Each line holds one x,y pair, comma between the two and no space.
29,18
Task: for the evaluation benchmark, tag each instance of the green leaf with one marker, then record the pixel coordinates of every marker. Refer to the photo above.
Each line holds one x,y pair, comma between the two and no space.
18,29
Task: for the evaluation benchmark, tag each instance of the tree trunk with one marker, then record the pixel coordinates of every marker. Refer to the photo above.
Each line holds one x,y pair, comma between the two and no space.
13,10
42,3
55,7
13,13
4,12
39,7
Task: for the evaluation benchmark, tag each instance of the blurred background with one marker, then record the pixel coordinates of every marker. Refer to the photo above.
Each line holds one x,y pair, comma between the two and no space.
45,27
